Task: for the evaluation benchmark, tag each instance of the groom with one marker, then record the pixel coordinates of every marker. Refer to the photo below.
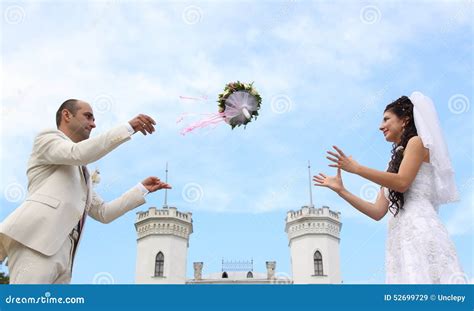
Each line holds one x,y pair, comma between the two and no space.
41,236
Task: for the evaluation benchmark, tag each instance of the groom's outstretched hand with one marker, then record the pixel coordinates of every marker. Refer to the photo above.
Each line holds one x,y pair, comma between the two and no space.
153,184
143,123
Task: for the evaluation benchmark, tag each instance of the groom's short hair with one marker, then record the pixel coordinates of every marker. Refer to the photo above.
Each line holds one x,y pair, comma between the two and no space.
71,105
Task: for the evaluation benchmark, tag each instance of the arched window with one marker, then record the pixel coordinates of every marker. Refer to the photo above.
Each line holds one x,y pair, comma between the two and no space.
250,275
224,275
318,263
159,264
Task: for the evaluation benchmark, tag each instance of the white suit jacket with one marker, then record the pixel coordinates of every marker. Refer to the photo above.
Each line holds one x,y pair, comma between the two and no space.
58,193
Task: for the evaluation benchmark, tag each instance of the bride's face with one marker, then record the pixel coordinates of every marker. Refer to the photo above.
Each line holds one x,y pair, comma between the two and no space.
392,127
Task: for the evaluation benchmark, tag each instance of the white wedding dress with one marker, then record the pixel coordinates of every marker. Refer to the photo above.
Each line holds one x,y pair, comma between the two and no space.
419,249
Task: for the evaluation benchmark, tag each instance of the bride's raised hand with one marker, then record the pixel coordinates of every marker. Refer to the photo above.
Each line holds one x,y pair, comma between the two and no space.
332,182
347,163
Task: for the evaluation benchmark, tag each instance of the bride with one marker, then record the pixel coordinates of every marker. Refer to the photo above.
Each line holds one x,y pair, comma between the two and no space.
419,178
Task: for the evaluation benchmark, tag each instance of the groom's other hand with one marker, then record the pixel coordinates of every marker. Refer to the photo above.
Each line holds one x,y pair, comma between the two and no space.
153,184
143,123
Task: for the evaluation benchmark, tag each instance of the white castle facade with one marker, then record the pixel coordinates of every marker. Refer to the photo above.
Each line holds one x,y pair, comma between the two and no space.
163,241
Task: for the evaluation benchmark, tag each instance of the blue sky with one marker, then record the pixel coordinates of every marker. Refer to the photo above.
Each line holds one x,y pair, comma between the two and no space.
324,69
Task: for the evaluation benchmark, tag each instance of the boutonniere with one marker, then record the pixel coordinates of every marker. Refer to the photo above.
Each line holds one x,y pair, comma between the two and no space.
95,177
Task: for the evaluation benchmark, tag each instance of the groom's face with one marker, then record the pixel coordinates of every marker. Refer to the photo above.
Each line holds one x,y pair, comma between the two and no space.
82,123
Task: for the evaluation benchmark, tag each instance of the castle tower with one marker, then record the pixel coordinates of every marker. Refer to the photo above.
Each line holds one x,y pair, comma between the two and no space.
162,244
313,235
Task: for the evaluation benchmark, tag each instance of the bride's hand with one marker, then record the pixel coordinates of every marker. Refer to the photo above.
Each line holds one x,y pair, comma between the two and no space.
332,182
347,163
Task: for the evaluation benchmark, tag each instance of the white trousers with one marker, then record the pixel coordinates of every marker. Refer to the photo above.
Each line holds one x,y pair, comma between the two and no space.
27,266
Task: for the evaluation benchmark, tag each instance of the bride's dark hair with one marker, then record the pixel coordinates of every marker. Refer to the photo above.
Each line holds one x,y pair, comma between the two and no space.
403,109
